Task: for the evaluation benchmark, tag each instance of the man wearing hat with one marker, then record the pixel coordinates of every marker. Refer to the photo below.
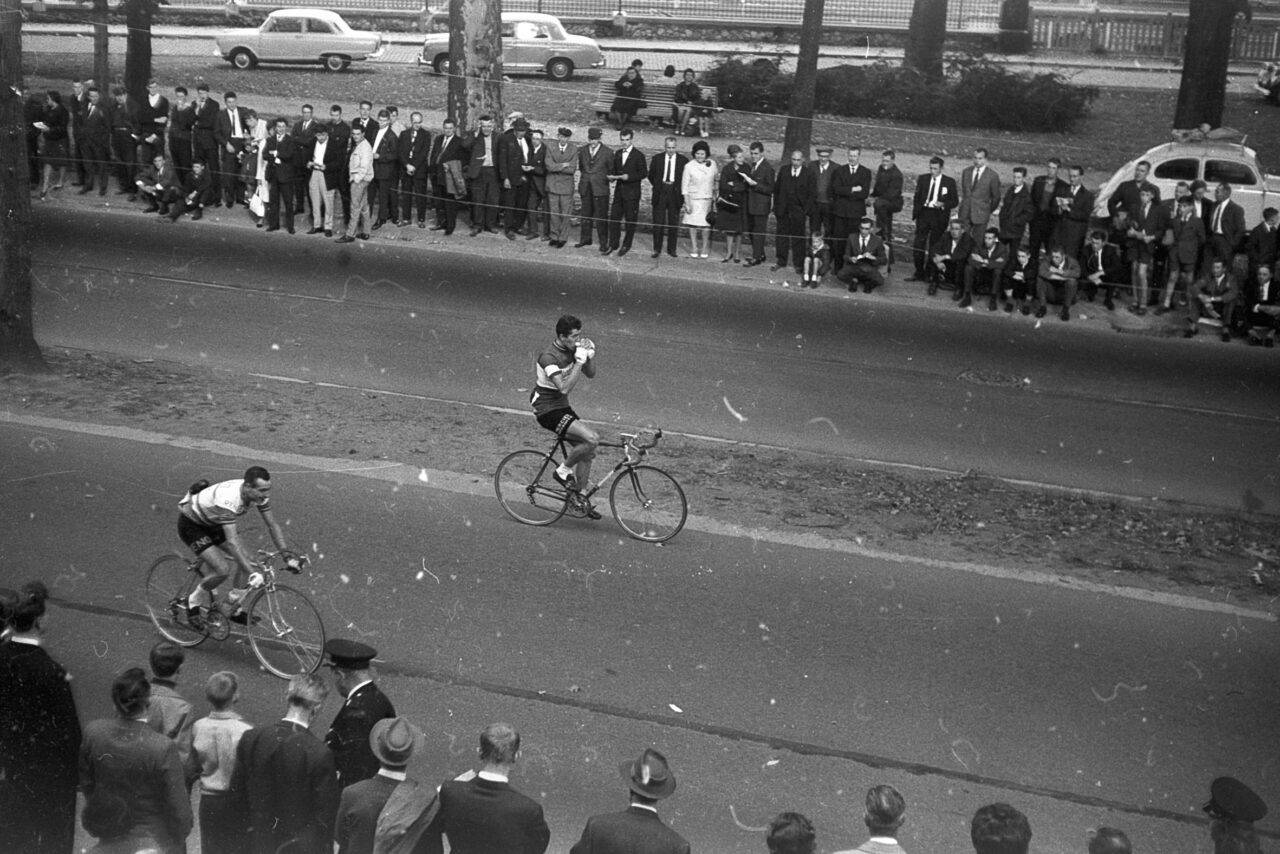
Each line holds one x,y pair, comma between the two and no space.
637,828
392,741
562,163
1233,808
514,165
348,735
594,162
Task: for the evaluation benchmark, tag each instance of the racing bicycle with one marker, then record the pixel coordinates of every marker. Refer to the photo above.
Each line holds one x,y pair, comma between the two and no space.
284,628
645,500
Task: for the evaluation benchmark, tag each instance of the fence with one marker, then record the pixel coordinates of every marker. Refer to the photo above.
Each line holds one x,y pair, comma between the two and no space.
1143,34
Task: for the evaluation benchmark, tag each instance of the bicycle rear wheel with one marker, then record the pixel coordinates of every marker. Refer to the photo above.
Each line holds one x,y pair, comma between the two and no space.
526,489
285,631
648,504
170,581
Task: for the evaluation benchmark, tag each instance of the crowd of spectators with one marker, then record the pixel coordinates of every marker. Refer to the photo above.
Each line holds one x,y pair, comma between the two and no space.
1024,244
279,787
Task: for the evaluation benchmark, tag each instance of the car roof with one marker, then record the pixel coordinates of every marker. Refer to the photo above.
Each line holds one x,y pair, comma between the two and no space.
533,17
305,12
1200,148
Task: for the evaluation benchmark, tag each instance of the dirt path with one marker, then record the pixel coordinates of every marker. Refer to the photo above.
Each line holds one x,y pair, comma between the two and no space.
971,518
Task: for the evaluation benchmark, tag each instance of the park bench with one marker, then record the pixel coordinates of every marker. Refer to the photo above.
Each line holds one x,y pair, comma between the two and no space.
659,97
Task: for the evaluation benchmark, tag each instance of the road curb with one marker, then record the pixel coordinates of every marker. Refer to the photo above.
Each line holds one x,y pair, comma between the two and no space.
403,474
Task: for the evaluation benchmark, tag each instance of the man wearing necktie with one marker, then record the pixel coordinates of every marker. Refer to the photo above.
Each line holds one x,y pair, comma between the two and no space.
229,134
96,143
1214,297
1227,231
628,170
931,206
281,154
482,176
595,159
415,142
562,164
1075,206
1263,244
979,195
850,189
864,256
513,149
666,176
1264,318
793,195
759,178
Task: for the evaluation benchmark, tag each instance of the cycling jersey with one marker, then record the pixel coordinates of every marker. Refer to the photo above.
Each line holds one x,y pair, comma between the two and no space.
546,397
220,504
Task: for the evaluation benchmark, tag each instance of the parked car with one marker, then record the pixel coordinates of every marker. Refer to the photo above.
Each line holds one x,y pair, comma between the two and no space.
532,43
1209,160
1268,83
299,37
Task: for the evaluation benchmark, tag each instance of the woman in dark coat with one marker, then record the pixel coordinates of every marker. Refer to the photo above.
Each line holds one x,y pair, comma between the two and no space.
630,99
53,141
41,740
731,204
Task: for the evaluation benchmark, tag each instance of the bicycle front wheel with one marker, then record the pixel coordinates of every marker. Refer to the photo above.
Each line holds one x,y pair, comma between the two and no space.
648,504
526,489
285,631
170,581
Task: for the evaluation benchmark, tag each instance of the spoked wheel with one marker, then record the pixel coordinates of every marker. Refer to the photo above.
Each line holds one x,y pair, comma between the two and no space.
285,631
648,504
526,489
169,583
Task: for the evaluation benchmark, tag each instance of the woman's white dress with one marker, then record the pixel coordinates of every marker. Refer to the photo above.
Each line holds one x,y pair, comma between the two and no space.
698,188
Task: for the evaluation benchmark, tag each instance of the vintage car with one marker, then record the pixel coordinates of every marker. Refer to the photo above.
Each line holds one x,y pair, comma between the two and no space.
531,44
1209,160
299,37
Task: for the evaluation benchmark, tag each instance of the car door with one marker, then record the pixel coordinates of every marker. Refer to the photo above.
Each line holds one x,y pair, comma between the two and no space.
517,45
281,39
1166,174
1247,187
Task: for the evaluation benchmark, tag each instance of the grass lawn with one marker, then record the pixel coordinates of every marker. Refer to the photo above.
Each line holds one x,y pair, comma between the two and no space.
1123,123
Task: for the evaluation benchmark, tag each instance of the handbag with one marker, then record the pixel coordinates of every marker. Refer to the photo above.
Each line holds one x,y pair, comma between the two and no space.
256,207
727,205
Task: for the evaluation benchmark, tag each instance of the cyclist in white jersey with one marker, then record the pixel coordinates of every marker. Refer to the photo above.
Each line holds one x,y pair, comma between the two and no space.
559,368
207,517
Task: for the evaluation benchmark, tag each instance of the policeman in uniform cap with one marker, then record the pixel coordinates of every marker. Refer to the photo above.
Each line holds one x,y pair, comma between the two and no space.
1233,808
348,736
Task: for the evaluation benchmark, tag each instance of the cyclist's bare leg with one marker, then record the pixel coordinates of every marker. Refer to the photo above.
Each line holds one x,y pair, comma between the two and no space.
215,567
583,442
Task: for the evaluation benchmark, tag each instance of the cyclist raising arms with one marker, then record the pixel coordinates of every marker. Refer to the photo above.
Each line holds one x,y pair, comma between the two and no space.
559,368
207,524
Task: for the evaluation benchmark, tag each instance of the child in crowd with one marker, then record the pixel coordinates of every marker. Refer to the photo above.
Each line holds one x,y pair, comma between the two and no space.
214,753
170,713
817,261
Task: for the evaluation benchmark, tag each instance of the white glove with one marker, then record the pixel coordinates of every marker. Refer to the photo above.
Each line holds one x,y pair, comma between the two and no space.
581,355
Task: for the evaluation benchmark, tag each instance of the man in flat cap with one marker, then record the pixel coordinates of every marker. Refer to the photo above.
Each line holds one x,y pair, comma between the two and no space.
348,736
595,160
637,828
1233,808
562,164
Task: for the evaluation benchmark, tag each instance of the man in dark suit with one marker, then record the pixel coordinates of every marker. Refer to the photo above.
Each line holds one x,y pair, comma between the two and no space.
864,256
78,105
666,176
365,121
1263,243
1128,196
182,118
196,192
1148,222
979,195
850,189
1183,254
886,199
325,159
627,170
415,144
153,116
1015,210
304,129
637,829
340,138
758,175
204,145
1102,267
947,259
823,219
1075,207
284,783
95,141
514,146
485,814
447,152
281,155
124,141
595,159
1044,210
348,736
931,206
1213,297
229,133
538,224
393,741
1058,276
386,163
985,266
482,175
793,195
1226,230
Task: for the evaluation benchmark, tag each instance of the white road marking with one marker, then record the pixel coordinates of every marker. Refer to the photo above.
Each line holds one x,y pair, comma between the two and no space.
477,485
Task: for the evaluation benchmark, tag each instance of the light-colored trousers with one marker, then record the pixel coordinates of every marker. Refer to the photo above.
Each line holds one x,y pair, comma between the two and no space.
321,195
561,209
358,218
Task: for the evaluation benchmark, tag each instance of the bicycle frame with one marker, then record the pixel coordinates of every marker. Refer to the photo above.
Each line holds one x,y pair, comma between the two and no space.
629,446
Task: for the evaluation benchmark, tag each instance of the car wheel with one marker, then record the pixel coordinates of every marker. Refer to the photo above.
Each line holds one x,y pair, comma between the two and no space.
441,64
560,69
243,59
334,62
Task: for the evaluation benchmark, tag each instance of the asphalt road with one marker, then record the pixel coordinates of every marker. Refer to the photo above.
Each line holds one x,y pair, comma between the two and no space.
690,351
775,677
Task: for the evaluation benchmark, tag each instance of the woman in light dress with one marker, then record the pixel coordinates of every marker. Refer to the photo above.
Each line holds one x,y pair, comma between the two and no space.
253,167
699,188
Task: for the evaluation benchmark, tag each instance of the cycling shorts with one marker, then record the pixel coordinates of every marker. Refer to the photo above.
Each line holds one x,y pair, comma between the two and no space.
558,420
199,537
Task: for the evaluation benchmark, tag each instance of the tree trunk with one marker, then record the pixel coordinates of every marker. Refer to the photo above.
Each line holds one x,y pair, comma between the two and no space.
1015,27
137,57
800,121
101,45
475,58
18,348
926,35
1202,94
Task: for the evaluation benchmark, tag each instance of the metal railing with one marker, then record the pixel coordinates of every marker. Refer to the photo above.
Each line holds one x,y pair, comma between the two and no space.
878,14
1143,34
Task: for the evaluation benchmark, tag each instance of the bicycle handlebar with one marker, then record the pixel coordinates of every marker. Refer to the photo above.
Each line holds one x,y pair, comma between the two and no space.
632,440
289,561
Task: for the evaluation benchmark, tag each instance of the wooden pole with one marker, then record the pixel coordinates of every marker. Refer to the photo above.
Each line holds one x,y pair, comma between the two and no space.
475,60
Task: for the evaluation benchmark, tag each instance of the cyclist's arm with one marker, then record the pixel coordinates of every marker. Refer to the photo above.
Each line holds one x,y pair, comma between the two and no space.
568,378
277,535
589,367
235,548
